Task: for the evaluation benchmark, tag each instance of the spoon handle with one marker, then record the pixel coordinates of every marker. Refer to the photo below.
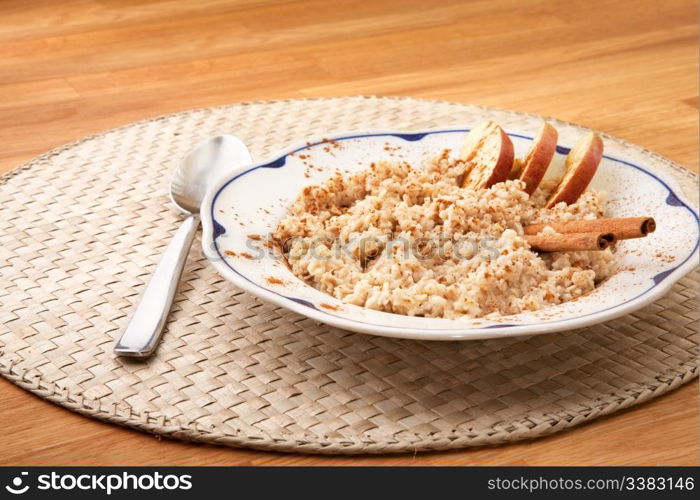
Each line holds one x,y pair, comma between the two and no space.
146,325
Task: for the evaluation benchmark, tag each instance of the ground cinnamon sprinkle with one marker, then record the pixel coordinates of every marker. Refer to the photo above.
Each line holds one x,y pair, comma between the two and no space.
329,306
274,281
242,254
255,237
664,257
586,294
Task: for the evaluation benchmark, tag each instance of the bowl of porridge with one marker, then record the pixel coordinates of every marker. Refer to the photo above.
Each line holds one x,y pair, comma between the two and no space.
457,233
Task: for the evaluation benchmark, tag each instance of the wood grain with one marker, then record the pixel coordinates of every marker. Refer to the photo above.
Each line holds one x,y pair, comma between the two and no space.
76,67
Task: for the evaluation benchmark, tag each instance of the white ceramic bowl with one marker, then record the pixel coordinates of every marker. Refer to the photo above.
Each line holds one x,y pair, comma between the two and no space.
252,200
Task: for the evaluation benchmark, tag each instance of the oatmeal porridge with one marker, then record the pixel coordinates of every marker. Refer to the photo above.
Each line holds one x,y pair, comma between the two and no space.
411,240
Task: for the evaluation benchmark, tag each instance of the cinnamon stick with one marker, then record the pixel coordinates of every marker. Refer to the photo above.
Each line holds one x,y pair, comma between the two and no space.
621,228
569,242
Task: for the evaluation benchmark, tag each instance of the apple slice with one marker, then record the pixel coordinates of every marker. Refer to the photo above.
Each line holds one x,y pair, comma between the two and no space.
581,165
532,168
488,154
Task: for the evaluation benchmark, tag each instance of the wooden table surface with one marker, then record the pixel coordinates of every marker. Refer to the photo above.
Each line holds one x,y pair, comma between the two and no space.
76,67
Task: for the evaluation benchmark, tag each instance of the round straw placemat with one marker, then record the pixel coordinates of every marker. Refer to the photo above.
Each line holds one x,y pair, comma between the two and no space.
82,228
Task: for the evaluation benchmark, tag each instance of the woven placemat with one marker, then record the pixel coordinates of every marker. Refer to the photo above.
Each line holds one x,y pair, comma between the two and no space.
82,228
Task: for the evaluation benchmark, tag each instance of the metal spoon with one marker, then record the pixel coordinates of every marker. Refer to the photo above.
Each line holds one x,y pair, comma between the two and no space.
206,163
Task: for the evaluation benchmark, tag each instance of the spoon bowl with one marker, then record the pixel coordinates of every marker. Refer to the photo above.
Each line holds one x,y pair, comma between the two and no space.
206,163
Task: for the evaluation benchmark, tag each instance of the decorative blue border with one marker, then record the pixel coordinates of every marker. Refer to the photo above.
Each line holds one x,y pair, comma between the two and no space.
672,199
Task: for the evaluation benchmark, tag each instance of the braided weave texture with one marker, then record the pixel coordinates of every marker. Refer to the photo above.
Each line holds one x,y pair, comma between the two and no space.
83,227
